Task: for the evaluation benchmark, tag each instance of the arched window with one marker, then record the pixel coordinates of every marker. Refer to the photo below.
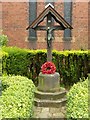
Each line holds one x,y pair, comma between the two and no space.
68,18
32,17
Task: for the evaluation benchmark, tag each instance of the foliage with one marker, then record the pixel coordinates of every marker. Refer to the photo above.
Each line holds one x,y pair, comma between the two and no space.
71,65
23,62
17,97
77,100
3,55
3,40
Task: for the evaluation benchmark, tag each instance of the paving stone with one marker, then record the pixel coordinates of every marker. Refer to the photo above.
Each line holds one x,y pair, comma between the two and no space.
49,112
58,115
64,110
37,109
36,114
45,109
45,113
55,110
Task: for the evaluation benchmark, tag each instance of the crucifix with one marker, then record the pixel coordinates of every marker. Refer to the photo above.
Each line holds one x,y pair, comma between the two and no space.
49,82
49,13
49,29
49,37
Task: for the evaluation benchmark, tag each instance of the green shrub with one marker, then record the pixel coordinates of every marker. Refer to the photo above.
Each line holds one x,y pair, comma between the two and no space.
3,55
3,40
71,65
89,93
77,100
17,97
16,63
23,62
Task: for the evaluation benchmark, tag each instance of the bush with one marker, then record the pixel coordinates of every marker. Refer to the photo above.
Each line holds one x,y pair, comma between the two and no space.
71,65
17,97
77,100
23,62
16,63
3,40
3,55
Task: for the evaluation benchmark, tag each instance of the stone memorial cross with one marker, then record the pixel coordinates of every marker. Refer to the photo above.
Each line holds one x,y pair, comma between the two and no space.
49,13
49,93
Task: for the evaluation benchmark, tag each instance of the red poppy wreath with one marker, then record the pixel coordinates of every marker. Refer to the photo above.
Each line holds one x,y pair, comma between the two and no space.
48,68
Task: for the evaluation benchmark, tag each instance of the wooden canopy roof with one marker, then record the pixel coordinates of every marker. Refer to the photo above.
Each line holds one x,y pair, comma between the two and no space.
58,18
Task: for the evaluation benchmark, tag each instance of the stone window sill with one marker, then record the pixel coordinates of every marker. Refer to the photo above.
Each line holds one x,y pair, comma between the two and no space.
67,38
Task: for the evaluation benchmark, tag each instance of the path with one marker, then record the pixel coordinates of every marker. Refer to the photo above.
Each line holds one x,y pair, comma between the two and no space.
49,112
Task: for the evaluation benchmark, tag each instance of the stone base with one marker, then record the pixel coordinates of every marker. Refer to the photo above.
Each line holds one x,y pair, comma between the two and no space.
50,103
49,93
50,96
49,82
47,99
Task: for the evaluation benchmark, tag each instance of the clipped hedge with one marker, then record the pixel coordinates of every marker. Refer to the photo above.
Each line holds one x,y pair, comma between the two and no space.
17,97
77,100
3,55
71,65
23,62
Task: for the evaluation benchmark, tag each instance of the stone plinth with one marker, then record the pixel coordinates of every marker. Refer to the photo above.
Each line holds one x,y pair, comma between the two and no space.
49,82
49,93
50,99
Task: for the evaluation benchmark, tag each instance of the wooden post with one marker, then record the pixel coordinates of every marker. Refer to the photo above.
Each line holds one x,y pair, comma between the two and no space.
49,48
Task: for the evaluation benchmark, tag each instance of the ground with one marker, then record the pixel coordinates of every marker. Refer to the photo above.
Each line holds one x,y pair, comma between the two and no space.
49,112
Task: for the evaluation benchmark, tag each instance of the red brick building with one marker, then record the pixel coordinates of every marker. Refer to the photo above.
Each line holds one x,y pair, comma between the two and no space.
16,16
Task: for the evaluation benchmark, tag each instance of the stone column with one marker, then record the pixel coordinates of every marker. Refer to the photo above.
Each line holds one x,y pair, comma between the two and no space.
49,82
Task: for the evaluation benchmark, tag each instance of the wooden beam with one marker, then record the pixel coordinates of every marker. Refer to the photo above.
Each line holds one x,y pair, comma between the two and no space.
49,42
40,28
58,27
44,28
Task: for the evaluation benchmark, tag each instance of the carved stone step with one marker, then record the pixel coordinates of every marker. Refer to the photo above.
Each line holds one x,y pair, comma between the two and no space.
49,95
50,103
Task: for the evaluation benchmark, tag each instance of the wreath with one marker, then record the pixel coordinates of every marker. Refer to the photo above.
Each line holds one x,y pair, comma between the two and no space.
48,68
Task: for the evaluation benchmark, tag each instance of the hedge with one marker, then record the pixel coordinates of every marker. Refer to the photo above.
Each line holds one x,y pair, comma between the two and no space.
4,56
17,96
77,101
71,65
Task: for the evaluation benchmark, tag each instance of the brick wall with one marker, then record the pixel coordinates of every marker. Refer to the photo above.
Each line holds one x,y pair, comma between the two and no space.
80,25
16,18
14,22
